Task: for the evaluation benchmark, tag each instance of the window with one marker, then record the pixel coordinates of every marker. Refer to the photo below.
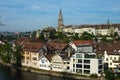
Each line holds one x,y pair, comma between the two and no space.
100,71
100,61
86,61
87,71
110,63
64,62
73,60
78,55
78,70
114,58
68,62
106,59
27,57
78,65
110,58
87,66
34,58
100,66
79,60
68,67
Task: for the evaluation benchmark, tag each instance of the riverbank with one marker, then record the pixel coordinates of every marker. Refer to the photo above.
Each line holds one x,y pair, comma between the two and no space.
53,73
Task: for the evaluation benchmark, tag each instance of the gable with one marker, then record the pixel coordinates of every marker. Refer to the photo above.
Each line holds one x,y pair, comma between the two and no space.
56,57
43,59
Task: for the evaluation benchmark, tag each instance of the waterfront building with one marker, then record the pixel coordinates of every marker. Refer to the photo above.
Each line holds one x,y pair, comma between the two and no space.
86,63
57,63
45,61
32,52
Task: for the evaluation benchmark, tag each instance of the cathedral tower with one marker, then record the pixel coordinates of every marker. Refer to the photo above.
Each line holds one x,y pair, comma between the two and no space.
60,21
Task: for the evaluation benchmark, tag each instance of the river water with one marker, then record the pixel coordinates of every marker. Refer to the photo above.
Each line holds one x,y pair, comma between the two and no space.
7,73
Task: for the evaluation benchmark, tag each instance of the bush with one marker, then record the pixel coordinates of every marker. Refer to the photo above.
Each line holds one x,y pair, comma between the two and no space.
94,76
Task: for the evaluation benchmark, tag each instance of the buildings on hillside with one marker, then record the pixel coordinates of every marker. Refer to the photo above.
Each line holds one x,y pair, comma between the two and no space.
79,57
75,57
99,29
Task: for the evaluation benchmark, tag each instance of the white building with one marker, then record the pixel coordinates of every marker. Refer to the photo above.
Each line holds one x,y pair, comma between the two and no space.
45,62
82,45
67,65
103,29
84,29
86,63
112,60
68,29
57,63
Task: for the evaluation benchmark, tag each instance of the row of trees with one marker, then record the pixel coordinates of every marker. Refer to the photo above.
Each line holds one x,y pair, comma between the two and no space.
66,37
8,54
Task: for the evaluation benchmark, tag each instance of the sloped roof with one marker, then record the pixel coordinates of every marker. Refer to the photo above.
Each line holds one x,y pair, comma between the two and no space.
83,42
49,56
110,47
25,39
34,47
56,46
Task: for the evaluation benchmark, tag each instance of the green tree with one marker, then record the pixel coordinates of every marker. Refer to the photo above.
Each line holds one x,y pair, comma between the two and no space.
109,75
76,37
86,36
5,53
42,38
62,36
18,55
53,34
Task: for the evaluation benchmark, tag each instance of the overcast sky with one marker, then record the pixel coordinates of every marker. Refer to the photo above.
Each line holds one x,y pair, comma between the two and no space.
29,15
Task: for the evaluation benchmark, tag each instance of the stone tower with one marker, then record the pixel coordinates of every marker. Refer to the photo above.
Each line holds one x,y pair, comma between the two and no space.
60,21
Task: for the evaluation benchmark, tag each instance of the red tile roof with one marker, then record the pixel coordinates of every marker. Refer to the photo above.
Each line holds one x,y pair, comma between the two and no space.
110,47
83,42
33,47
22,40
49,56
56,46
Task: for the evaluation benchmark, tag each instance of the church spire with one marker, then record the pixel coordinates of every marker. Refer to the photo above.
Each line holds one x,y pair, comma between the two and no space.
60,20
108,22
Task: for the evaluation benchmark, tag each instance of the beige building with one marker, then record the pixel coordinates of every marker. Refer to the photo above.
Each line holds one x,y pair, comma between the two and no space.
31,54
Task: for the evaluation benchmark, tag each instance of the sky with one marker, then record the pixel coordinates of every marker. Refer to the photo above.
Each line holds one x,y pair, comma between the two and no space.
29,15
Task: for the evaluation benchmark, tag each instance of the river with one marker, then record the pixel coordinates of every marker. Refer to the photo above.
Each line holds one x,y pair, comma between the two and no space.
7,73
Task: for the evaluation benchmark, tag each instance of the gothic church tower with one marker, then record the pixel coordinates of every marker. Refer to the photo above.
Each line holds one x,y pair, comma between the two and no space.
60,21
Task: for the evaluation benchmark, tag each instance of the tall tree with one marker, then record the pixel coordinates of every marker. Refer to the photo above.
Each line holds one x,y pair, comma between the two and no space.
18,55
5,53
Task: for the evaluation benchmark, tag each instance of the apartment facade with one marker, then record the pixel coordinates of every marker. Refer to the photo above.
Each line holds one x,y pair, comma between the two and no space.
86,63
